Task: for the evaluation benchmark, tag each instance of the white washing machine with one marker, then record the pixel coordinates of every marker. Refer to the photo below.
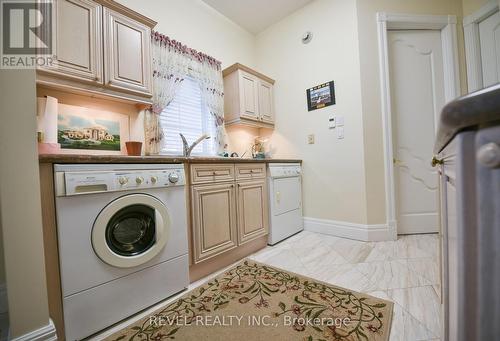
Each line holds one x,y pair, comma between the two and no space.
122,234
285,197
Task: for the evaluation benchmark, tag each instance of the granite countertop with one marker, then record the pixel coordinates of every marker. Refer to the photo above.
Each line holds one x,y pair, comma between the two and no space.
478,108
78,158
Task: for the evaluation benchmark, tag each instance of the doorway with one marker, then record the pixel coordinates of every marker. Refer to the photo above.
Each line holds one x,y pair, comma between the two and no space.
419,74
482,46
417,97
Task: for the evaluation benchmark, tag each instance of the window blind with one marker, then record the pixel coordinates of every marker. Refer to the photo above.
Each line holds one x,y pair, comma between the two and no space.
187,114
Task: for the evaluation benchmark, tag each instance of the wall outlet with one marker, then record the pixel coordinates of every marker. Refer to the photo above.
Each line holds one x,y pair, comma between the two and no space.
310,139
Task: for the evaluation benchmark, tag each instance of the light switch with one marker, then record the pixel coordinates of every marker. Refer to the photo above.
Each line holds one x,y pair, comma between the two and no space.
310,138
339,120
331,122
340,132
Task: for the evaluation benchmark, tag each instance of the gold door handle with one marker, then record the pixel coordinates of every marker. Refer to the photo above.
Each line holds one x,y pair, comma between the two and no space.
397,162
435,161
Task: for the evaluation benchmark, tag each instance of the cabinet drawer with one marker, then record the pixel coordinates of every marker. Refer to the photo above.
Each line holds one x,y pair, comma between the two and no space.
211,173
250,171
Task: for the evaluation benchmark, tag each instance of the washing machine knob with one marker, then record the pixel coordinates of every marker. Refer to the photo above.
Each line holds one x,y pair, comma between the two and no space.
173,177
139,180
122,180
154,179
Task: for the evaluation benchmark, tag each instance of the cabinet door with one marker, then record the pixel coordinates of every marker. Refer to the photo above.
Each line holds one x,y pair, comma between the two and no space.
252,210
127,54
214,220
266,102
78,42
249,104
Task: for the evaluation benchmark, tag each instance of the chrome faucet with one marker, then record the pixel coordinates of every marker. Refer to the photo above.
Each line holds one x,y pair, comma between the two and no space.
187,148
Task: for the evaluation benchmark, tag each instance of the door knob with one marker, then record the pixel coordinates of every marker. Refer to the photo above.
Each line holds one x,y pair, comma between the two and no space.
435,161
397,162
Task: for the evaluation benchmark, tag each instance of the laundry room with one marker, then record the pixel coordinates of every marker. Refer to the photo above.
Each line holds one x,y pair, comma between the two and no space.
287,170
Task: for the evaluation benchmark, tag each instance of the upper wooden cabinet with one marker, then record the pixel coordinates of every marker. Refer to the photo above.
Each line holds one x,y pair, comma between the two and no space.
101,47
266,102
78,40
127,53
248,97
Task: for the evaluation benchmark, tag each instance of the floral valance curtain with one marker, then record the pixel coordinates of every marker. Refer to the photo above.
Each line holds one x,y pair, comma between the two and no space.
172,62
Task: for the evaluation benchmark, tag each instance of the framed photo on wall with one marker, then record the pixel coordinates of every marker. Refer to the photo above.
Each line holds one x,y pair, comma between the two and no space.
320,96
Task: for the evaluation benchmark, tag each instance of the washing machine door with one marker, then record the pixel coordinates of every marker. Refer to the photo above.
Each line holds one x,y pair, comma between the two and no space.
131,230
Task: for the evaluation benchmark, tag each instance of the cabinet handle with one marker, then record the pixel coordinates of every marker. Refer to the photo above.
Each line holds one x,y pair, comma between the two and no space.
489,155
435,161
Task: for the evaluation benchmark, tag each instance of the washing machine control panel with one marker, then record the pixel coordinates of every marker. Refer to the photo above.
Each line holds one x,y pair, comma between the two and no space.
149,179
87,182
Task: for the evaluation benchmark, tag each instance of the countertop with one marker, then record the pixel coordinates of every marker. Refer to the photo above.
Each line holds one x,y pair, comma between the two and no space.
78,158
478,108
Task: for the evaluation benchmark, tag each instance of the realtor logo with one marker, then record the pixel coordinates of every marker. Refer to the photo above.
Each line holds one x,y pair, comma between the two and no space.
26,33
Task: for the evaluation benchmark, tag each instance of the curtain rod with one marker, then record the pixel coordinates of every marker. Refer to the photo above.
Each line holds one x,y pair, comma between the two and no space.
183,48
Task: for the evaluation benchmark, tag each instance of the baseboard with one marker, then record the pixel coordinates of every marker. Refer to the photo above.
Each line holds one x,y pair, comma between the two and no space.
4,307
363,232
46,333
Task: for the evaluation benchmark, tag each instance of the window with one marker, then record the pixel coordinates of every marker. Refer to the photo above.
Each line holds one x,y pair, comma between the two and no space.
187,114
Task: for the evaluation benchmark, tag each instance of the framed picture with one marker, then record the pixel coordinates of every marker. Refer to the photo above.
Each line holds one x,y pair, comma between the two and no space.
320,96
84,130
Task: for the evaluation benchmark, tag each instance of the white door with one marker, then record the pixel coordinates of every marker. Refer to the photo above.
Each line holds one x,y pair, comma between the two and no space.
417,95
489,37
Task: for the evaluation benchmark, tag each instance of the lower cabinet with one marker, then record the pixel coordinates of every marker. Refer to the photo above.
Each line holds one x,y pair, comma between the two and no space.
253,219
214,220
229,213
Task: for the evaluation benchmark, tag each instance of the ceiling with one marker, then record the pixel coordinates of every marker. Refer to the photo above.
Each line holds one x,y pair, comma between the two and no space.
256,15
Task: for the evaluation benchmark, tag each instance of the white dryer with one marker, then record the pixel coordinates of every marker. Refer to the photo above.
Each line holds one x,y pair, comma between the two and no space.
122,234
285,197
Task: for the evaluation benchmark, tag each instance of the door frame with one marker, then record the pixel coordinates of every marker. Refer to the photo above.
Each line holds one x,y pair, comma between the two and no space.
472,44
447,24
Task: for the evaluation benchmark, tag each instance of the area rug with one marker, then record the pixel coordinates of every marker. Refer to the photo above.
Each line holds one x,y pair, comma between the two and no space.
254,301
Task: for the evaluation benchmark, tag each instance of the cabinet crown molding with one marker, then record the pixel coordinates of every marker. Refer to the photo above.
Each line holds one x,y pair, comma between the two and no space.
238,66
117,7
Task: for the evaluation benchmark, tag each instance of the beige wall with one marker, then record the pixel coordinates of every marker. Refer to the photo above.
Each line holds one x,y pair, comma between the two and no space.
470,6
334,178
199,26
20,204
370,85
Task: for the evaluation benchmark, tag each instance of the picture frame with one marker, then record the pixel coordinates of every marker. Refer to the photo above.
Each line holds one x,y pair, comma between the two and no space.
90,131
320,96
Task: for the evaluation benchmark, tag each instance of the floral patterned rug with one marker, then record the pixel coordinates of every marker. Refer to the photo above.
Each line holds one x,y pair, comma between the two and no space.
254,301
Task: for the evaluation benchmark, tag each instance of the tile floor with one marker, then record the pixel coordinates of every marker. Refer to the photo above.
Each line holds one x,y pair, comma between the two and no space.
405,272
